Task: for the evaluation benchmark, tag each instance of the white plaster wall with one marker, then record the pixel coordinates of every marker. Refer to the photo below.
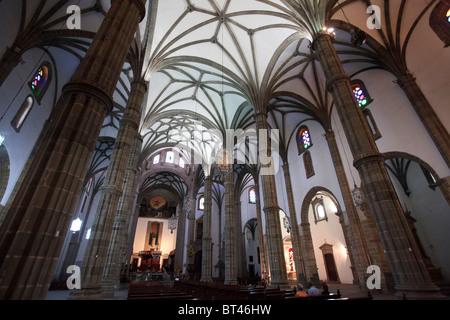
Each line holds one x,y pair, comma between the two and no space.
330,232
431,211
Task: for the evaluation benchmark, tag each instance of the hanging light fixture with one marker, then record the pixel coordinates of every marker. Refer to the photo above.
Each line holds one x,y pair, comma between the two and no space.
173,221
358,37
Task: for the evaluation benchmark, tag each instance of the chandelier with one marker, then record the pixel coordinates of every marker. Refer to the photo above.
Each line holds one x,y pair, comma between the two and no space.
173,221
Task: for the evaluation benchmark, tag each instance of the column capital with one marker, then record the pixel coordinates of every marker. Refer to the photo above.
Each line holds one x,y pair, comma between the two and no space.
92,89
141,7
367,157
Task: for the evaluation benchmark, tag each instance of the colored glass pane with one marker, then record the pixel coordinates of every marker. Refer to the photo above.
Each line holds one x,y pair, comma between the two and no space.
306,139
252,195
89,185
448,15
360,95
201,203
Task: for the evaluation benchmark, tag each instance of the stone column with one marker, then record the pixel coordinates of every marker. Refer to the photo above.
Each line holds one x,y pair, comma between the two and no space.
427,115
278,271
190,206
239,238
358,248
207,240
95,258
117,246
296,244
410,273
309,259
230,254
181,234
33,232
10,59
262,246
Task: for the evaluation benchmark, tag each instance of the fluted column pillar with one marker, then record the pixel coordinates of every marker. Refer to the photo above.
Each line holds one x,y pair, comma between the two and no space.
117,246
206,275
262,246
10,59
360,255
278,271
230,254
409,271
94,262
296,244
33,232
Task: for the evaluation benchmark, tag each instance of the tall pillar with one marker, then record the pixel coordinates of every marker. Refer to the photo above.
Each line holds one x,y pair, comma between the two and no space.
262,246
239,244
230,254
189,205
94,262
206,275
181,234
427,115
33,232
111,273
10,59
409,271
296,244
360,255
309,260
278,271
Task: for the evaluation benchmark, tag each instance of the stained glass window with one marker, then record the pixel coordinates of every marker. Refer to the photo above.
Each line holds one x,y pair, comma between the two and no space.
156,159
201,203
304,140
361,94
169,157
40,81
252,195
448,15
89,185
181,163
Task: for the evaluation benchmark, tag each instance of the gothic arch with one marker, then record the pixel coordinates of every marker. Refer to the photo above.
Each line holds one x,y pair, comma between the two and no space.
439,23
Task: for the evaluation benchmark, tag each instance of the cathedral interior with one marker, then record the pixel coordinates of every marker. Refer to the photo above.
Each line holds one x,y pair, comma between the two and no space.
224,143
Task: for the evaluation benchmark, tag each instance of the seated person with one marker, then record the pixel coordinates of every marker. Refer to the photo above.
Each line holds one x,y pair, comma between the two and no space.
300,292
312,290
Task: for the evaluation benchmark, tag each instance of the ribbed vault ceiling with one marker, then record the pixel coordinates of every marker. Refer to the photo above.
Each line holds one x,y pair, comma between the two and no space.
215,62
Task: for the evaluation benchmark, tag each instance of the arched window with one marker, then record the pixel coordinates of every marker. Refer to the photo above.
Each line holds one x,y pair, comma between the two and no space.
252,195
89,185
41,81
361,93
201,203
320,213
157,158
20,117
304,141
170,157
440,21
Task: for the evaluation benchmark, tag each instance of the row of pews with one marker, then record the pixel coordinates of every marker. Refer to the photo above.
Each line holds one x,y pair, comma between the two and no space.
196,290
151,290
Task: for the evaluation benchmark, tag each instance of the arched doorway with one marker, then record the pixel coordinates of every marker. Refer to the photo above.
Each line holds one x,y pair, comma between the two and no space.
324,242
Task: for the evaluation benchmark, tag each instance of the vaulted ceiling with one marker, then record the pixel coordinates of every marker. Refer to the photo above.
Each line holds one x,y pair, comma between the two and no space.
211,63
